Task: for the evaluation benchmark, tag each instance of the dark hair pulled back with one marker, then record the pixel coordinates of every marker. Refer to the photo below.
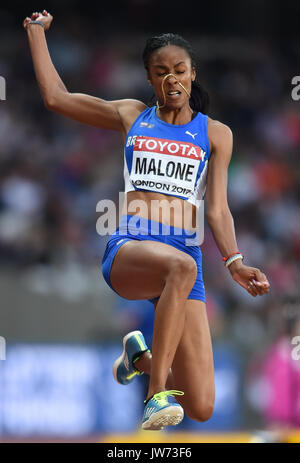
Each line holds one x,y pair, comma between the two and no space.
199,100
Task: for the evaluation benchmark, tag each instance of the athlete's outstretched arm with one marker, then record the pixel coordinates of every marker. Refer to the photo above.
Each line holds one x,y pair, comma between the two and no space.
80,107
218,214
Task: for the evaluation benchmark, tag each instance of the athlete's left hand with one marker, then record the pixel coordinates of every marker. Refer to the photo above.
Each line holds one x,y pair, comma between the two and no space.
251,279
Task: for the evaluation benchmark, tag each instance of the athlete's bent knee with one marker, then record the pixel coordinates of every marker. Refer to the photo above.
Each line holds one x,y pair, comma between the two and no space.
182,267
201,412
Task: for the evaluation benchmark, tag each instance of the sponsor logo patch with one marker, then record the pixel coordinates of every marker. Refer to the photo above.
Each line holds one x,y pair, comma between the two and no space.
191,134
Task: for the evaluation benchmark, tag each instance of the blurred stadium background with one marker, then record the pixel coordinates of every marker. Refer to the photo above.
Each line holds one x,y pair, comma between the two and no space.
62,324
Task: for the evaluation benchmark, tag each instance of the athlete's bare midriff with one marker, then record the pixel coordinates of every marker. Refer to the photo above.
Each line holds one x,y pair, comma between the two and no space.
159,207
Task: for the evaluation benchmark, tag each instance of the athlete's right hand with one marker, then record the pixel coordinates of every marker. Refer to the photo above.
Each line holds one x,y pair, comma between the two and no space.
44,17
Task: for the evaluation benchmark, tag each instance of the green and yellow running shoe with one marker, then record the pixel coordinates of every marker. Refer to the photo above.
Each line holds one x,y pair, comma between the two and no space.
159,412
134,345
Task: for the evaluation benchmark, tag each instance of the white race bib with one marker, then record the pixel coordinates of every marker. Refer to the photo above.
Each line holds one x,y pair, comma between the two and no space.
165,166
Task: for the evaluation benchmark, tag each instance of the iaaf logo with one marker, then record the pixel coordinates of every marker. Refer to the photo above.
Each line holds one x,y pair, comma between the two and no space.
163,146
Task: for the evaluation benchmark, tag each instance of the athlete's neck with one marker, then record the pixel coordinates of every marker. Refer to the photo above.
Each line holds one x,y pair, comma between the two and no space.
179,116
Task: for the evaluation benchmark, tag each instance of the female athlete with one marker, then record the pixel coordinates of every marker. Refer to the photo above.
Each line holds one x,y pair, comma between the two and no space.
174,154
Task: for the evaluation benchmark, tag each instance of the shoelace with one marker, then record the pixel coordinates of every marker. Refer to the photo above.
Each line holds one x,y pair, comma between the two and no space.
161,397
136,371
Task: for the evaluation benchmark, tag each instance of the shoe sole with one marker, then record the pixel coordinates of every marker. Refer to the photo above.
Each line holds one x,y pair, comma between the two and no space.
165,417
122,356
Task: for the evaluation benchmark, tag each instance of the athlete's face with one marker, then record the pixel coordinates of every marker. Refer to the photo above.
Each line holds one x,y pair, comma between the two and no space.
171,60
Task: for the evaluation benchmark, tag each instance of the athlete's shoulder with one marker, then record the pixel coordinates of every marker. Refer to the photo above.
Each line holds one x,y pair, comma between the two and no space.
218,133
218,127
129,110
131,104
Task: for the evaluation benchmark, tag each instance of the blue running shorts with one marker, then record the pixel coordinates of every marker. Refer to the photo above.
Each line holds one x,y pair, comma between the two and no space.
137,228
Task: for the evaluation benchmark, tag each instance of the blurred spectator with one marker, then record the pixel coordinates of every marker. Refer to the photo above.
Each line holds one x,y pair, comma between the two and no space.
274,377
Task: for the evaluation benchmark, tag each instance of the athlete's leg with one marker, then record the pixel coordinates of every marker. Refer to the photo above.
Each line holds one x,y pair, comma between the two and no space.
146,269
192,368
143,364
